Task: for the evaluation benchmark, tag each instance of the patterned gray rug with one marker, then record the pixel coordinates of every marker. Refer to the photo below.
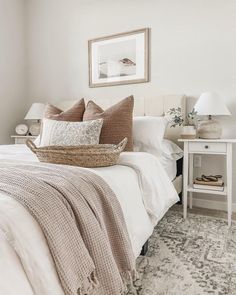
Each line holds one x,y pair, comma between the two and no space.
192,257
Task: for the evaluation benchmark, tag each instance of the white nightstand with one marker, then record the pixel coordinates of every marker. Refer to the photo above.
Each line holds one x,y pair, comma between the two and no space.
213,147
21,139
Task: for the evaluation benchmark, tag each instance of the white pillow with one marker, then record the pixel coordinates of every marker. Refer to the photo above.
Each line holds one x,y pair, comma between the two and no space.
171,151
66,133
148,134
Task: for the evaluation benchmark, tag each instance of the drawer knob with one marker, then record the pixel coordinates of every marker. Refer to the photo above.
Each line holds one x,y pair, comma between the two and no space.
206,146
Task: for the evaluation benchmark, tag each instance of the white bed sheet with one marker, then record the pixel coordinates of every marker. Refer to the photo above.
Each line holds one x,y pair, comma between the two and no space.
170,167
144,199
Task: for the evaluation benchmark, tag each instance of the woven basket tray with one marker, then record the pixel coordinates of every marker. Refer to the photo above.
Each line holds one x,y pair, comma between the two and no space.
100,155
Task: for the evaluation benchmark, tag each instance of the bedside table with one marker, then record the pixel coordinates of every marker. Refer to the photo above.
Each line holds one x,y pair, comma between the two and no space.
21,139
209,147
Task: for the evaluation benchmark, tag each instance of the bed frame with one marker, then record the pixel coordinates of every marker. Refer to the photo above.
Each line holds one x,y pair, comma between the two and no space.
152,106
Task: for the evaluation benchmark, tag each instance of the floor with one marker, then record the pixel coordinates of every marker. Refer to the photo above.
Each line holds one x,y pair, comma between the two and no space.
196,256
205,212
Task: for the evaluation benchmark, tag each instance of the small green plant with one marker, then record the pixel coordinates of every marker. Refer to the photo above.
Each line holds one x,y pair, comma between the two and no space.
175,117
192,118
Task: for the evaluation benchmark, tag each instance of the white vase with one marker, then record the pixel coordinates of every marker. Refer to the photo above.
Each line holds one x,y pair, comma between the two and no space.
189,132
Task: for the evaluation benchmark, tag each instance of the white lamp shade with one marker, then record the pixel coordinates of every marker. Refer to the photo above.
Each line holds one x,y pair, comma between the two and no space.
35,112
210,103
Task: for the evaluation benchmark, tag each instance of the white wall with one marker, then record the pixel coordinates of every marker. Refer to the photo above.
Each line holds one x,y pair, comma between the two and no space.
193,48
13,97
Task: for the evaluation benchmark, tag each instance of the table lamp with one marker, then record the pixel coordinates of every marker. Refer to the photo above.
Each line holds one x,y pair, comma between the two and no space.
210,104
35,112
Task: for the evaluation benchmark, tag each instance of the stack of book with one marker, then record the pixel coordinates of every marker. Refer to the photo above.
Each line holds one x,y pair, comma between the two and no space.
209,185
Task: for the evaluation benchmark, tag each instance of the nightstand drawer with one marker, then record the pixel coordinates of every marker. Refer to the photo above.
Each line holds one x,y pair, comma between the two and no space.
20,140
207,147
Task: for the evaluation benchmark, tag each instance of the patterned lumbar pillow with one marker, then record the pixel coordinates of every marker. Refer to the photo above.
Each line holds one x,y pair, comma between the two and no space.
73,114
65,133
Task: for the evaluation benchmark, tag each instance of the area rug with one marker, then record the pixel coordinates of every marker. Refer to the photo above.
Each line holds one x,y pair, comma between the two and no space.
192,257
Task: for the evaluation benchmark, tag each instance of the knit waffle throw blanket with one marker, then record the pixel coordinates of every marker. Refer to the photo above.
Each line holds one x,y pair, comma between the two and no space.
82,221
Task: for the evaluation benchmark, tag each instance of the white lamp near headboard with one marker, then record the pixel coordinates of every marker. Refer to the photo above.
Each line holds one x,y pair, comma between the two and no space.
210,104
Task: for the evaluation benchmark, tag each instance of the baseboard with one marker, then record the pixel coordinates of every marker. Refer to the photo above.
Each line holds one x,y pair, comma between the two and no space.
210,204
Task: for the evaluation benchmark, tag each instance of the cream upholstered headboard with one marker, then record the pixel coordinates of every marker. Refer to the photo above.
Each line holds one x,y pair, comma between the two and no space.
145,107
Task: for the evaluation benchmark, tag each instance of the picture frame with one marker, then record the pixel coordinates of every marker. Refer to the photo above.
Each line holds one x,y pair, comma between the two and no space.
119,59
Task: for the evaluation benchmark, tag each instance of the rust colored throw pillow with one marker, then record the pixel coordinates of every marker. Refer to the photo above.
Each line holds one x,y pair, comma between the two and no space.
117,121
74,114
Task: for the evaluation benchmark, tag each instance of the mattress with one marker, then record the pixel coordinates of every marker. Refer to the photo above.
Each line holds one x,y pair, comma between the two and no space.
178,183
170,167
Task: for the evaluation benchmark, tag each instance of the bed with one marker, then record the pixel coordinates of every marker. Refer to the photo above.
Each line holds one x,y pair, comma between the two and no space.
25,258
153,106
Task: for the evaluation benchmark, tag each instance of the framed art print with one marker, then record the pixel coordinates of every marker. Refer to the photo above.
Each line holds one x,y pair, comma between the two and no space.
119,59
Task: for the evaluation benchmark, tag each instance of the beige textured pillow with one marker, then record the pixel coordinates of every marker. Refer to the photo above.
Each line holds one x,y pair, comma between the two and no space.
74,114
117,121
66,133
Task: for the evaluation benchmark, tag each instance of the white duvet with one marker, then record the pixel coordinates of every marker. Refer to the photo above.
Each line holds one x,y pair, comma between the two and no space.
145,193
